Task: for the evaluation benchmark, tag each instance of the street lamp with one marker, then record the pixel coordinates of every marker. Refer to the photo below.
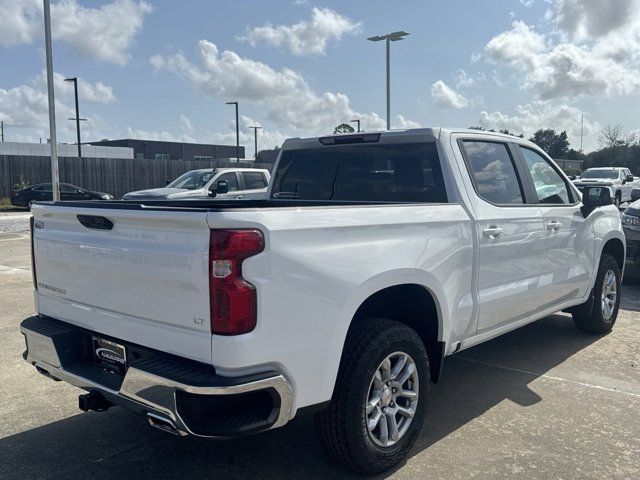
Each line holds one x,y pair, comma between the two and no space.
77,119
55,177
390,37
237,132
255,141
356,121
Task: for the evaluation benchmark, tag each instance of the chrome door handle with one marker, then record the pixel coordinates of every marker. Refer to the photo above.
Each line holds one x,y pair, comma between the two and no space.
493,232
238,197
554,226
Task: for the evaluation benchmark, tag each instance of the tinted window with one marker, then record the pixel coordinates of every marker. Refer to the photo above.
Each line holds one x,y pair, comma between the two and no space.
67,189
549,185
232,180
376,173
253,180
608,174
493,172
43,188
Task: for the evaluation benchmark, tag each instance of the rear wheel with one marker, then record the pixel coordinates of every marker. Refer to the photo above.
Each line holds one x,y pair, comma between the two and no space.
606,299
380,399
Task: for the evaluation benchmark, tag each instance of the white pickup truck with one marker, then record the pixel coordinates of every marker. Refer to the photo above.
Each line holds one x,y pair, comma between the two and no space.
375,256
619,179
218,183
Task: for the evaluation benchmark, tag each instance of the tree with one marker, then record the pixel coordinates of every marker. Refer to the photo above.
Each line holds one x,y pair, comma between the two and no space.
343,128
556,145
613,136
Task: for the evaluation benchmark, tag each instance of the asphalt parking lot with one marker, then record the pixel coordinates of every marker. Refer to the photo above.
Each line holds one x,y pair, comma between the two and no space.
545,401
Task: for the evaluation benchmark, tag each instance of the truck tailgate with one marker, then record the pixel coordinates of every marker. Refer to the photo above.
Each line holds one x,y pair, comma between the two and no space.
145,280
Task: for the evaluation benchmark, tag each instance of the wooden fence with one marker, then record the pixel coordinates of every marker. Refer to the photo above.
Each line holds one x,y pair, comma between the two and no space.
116,176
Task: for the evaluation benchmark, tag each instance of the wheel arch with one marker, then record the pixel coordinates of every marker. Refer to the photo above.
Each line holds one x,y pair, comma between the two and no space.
411,297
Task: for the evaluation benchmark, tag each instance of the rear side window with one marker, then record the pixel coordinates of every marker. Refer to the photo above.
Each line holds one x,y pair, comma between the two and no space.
253,180
493,172
367,173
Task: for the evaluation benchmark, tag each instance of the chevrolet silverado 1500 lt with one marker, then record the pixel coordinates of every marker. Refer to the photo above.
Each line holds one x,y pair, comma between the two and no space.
375,256
619,179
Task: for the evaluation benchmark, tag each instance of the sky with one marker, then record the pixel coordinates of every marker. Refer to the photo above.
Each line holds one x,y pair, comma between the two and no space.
164,69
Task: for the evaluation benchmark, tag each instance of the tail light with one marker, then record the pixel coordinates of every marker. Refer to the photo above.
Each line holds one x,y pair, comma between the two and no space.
233,299
33,253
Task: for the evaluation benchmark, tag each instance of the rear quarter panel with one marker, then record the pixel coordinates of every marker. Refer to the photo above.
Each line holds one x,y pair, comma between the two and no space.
321,263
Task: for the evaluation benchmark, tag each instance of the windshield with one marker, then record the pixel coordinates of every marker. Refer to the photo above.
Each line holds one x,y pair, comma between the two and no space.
375,173
192,180
611,174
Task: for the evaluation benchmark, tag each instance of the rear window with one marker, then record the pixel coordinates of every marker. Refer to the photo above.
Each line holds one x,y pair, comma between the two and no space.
366,173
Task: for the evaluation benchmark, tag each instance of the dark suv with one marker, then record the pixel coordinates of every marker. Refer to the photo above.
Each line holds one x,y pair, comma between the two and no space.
631,226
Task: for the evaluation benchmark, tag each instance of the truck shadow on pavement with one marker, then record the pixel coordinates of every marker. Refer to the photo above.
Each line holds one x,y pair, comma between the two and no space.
119,444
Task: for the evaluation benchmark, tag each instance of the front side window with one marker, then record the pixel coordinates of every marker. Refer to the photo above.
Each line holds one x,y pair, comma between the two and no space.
231,179
67,189
549,185
253,180
399,173
493,172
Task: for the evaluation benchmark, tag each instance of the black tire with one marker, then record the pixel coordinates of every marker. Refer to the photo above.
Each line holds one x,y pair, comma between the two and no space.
342,427
30,204
596,321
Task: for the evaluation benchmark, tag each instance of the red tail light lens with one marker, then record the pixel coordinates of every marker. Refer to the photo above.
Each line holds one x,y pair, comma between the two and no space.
233,299
33,253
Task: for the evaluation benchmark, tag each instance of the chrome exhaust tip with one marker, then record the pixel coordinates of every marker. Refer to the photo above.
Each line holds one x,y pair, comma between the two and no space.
163,424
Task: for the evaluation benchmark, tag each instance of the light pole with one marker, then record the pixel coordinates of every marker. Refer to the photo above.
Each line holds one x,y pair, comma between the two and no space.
356,121
2,129
389,37
237,132
255,141
55,177
77,119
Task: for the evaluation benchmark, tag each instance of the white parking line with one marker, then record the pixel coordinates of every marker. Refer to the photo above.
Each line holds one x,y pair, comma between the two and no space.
551,377
4,270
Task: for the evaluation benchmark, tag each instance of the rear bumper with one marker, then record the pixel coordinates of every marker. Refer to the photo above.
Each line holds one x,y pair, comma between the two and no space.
187,397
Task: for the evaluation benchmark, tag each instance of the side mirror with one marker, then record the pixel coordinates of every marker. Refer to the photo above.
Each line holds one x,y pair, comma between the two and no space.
630,178
167,182
635,194
596,197
221,187
572,177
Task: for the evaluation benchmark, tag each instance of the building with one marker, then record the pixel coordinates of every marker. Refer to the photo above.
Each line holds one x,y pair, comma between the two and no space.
565,164
64,150
158,150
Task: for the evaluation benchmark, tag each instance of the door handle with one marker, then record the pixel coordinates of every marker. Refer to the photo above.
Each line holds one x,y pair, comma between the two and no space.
238,197
554,225
493,232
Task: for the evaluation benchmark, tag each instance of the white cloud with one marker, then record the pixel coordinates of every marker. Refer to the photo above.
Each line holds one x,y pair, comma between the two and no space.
598,52
307,36
447,97
527,3
543,114
25,108
105,33
286,97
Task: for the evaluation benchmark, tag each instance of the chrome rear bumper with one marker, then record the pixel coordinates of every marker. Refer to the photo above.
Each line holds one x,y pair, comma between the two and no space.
155,385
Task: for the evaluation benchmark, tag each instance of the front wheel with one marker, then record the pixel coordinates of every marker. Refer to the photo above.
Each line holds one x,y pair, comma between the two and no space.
380,398
606,299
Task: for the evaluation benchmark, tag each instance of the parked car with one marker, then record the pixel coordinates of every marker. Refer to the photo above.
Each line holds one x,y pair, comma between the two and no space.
619,179
221,183
375,256
42,192
631,225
